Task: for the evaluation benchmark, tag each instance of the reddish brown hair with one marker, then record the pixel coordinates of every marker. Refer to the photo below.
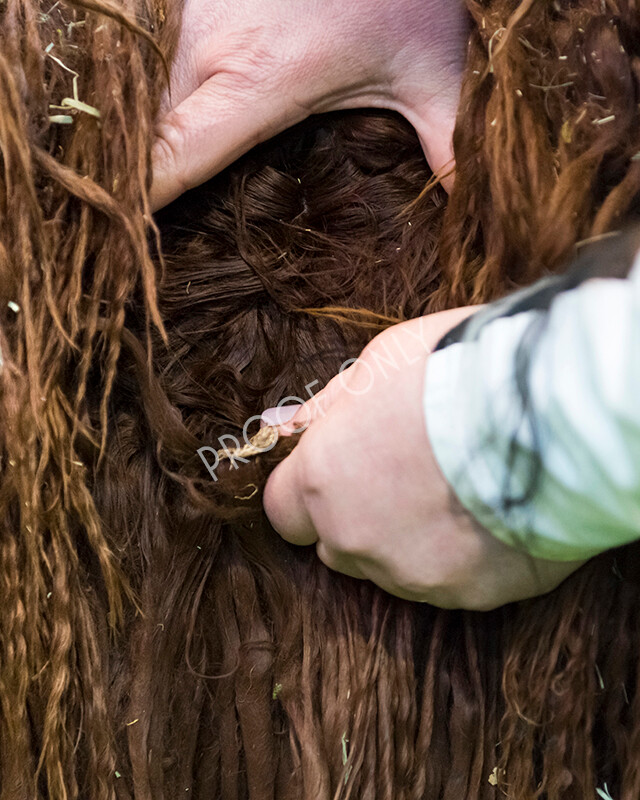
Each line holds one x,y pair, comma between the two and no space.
157,639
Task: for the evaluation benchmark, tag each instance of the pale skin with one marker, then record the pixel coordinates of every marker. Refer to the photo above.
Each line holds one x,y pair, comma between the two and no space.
364,487
246,70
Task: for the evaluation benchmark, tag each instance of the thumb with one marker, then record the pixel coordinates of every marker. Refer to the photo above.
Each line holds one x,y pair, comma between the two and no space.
209,130
292,419
435,127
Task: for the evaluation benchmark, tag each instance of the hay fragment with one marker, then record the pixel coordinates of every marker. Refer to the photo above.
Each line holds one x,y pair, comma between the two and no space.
495,776
604,120
250,496
78,105
264,440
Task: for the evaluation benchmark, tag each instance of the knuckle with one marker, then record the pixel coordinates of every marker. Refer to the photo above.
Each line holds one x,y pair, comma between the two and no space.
476,598
465,592
170,146
320,480
355,542
315,464
328,556
353,545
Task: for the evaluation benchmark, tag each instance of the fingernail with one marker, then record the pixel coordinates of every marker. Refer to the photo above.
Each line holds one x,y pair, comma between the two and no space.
278,416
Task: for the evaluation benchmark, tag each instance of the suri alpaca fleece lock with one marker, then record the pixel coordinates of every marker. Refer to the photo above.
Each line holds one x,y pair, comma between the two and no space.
157,639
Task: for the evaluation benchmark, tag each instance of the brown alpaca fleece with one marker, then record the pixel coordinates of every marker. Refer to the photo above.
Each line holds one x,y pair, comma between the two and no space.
157,639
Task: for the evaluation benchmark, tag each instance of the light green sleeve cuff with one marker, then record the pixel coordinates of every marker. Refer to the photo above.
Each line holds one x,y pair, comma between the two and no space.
584,388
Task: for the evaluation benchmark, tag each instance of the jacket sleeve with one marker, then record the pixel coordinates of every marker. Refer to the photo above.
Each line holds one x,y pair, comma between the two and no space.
533,412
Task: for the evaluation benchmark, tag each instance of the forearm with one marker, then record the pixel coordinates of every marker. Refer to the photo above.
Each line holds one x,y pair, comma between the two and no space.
534,417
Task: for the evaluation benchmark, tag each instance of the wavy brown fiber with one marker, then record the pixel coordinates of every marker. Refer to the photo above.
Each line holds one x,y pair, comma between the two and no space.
157,638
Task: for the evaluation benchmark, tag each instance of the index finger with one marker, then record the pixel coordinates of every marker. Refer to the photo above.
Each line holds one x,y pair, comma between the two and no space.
284,502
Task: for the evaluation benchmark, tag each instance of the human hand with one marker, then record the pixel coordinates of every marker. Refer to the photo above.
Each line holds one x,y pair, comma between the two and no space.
364,486
245,71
